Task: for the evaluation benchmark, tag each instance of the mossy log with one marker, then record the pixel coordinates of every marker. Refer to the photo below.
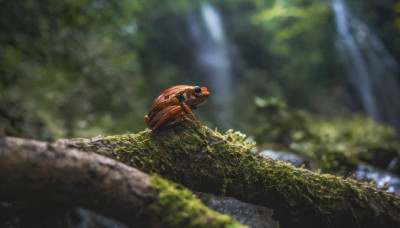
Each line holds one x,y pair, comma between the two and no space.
204,160
48,176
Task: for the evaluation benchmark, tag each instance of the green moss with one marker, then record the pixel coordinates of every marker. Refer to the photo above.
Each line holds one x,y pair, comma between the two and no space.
178,207
327,144
205,160
237,137
346,140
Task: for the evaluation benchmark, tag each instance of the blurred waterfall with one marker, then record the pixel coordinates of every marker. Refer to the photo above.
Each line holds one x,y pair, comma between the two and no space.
211,51
372,72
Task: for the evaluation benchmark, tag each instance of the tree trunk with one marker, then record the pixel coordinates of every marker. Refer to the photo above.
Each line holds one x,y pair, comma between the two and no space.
204,160
52,176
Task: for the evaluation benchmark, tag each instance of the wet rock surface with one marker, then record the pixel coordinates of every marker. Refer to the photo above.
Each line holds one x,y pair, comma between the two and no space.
383,178
245,213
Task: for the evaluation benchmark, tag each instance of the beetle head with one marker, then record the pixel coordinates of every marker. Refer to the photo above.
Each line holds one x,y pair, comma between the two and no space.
196,97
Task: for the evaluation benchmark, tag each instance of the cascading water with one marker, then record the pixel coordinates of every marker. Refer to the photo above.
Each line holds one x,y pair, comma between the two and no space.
211,50
371,69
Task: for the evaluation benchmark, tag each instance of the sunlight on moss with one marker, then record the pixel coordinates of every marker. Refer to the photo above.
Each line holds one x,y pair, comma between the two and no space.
305,18
178,207
238,137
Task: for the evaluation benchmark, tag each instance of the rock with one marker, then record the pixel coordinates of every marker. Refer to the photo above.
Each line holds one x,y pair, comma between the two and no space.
24,215
248,214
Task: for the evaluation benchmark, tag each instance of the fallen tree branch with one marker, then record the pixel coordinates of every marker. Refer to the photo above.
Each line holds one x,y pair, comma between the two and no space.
43,173
207,161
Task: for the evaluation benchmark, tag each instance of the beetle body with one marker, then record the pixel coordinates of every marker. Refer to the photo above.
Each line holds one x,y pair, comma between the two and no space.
174,103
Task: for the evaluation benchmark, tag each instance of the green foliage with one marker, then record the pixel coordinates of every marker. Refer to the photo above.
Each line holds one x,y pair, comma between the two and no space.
327,143
290,54
292,19
279,124
83,68
63,71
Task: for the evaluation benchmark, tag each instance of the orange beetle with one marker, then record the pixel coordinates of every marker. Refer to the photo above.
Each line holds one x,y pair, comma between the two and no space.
174,103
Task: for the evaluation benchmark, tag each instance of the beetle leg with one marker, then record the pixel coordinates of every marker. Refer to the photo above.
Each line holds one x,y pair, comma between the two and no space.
156,114
187,109
147,121
170,116
186,119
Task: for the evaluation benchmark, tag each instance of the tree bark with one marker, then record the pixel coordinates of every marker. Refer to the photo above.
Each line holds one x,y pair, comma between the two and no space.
45,174
204,160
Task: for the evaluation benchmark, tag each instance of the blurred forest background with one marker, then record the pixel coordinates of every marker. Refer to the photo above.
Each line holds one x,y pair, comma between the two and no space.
80,68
